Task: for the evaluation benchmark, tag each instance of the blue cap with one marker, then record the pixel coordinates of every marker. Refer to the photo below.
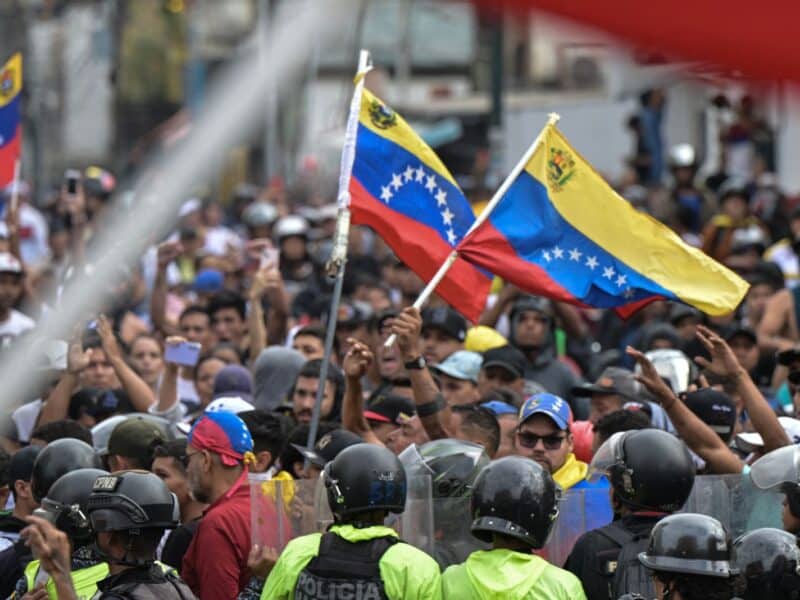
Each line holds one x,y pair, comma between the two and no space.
547,404
208,281
462,364
500,408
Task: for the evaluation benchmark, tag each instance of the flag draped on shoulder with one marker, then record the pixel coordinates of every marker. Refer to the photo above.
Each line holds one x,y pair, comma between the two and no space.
401,189
561,231
10,125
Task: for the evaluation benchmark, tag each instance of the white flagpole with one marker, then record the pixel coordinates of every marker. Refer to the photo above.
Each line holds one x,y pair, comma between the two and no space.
552,119
338,258
15,187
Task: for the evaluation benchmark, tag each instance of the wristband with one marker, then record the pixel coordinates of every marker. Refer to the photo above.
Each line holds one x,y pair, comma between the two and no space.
416,364
430,408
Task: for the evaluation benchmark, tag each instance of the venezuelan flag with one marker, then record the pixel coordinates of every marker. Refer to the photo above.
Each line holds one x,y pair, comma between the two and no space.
401,189
10,127
560,231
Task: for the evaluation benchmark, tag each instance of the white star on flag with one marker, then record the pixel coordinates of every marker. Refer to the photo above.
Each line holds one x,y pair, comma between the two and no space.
575,254
621,280
592,263
386,194
397,181
441,198
430,183
629,293
608,272
451,236
409,173
558,252
546,255
447,217
420,174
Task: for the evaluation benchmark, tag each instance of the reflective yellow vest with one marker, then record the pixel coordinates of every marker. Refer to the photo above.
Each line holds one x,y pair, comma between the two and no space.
84,580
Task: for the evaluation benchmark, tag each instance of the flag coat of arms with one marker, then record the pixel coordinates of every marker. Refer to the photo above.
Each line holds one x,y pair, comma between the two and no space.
561,231
401,189
10,125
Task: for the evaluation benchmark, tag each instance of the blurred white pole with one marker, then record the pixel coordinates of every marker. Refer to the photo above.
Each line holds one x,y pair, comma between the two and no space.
233,108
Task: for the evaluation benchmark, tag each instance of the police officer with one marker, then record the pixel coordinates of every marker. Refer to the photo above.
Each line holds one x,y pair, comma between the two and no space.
689,556
128,511
514,507
57,459
65,506
651,475
769,561
358,557
453,465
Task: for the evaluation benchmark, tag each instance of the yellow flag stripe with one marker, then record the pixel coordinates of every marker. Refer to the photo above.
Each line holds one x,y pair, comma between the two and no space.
11,79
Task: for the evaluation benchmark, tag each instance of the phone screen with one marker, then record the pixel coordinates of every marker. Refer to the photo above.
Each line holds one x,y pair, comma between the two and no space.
183,353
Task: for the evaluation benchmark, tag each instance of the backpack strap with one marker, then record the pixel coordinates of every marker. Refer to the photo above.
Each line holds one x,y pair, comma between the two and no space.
617,533
357,559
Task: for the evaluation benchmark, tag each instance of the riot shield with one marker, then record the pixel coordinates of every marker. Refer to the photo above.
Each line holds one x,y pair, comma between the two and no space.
579,511
735,502
282,510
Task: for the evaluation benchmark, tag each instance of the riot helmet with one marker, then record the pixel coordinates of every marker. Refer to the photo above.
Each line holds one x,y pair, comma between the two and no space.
780,470
131,501
58,458
516,497
365,477
259,214
690,544
66,503
769,560
452,465
649,469
288,226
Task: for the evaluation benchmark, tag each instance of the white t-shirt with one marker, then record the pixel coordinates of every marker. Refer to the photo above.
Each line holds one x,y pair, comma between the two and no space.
16,324
25,419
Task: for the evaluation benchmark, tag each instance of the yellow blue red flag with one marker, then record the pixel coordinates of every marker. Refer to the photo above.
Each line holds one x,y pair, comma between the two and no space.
561,231
401,189
10,125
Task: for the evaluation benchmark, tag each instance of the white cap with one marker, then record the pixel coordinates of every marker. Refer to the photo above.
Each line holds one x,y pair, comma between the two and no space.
9,263
750,442
188,207
231,404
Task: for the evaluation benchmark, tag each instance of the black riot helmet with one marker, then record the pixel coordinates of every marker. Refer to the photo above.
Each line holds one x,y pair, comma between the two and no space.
514,496
649,469
66,504
365,477
689,544
58,458
452,465
131,501
769,560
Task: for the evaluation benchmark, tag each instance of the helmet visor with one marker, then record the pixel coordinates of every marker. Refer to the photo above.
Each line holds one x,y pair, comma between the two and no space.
608,454
776,468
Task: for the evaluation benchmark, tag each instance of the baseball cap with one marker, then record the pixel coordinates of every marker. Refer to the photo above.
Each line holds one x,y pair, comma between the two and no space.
390,408
234,380
10,264
231,404
547,404
135,438
328,446
462,364
741,331
787,357
208,281
613,380
716,409
351,315
224,434
750,442
499,408
506,357
447,320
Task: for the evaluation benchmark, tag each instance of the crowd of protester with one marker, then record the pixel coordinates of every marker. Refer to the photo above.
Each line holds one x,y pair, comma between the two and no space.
202,371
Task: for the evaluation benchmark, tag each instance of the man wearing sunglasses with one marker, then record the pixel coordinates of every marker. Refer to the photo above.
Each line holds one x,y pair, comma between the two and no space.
543,435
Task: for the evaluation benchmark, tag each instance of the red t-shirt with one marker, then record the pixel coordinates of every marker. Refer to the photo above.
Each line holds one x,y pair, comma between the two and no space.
215,565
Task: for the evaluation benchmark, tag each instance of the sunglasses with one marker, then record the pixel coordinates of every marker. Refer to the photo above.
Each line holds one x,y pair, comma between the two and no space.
530,440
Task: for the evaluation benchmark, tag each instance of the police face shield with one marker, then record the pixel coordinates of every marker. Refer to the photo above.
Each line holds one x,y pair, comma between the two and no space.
779,467
608,454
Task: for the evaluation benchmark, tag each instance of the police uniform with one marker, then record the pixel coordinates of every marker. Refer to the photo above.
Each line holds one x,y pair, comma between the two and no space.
147,582
368,563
